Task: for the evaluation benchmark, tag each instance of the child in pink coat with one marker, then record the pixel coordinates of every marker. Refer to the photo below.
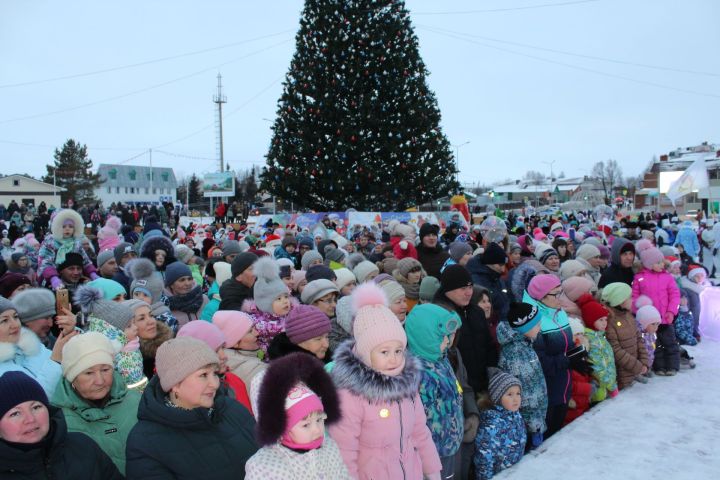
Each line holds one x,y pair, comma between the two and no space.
654,282
382,433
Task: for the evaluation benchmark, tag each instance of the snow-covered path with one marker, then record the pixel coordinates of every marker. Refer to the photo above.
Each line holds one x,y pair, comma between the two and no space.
668,428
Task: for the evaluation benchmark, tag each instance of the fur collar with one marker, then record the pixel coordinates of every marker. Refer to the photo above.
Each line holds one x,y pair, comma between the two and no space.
148,348
352,374
690,285
28,344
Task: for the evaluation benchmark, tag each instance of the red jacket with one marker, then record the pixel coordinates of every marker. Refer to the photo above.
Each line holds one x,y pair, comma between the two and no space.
234,383
581,392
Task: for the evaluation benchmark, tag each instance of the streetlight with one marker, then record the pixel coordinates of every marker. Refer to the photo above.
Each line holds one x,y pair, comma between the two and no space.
457,160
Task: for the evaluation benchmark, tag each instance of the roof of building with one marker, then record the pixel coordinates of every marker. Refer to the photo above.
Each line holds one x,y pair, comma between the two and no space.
136,176
526,186
40,184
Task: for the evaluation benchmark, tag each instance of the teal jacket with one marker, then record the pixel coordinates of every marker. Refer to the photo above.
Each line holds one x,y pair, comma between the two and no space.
213,304
110,425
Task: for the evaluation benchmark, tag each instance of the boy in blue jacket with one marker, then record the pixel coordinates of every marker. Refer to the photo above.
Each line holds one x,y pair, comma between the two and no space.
501,438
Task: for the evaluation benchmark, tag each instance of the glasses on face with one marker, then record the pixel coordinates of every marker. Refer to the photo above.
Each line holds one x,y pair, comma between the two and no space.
556,294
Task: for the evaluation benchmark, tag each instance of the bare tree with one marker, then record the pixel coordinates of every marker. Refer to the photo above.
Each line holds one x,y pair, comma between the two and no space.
534,177
609,174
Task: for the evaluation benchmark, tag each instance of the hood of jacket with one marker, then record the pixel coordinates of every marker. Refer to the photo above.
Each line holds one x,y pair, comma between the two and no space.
65,396
618,243
353,375
27,345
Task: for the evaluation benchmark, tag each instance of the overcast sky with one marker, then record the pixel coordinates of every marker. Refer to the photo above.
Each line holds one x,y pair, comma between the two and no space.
526,82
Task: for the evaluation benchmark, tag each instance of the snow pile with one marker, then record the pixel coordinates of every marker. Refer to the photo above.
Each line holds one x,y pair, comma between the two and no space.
667,428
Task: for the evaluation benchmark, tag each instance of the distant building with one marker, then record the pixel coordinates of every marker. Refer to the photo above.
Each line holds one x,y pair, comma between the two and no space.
27,190
133,184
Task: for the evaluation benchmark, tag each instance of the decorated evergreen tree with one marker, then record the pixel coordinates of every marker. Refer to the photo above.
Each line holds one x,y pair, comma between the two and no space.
73,171
357,125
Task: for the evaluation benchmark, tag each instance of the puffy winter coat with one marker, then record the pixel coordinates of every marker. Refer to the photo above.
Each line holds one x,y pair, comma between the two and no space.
245,364
684,327
66,456
169,442
383,432
277,462
603,360
442,399
689,240
662,290
29,356
582,390
233,294
500,441
627,345
213,304
267,325
615,272
693,291
108,426
128,361
47,267
499,293
519,359
432,259
551,345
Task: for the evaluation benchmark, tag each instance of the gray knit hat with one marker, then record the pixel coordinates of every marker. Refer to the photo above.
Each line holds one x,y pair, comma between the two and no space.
34,303
134,304
428,287
334,254
231,247
104,256
392,289
90,300
145,278
184,253
363,269
177,358
406,264
343,313
121,250
458,250
317,289
6,304
308,257
268,285
499,384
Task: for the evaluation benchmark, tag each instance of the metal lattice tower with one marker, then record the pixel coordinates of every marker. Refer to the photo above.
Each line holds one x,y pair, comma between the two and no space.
219,99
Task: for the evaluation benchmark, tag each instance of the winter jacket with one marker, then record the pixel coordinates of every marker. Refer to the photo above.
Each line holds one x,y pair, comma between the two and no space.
689,240
382,433
474,343
500,441
519,359
591,272
627,345
277,462
551,345
603,360
662,290
185,315
486,277
128,361
170,442
110,425
46,259
29,356
470,407
442,399
337,334
65,456
267,325
693,291
403,248
582,390
237,388
649,340
615,272
684,324
281,346
245,364
213,304
148,348
233,294
432,259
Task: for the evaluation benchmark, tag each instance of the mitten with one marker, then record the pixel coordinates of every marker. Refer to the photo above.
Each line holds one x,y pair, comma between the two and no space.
579,361
56,283
470,427
614,393
536,439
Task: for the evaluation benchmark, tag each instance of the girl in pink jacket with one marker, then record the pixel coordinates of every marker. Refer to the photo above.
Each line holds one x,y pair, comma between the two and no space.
654,282
382,433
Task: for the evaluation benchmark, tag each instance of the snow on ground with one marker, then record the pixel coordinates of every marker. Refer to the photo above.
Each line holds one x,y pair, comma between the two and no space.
668,428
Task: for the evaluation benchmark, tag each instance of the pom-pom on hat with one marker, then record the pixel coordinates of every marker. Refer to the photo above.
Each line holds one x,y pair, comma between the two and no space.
177,358
523,317
374,322
592,311
90,300
428,288
233,324
268,285
305,322
500,382
541,285
85,351
145,278
614,294
18,387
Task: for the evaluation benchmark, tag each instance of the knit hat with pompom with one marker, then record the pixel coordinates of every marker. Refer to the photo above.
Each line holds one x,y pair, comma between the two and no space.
374,322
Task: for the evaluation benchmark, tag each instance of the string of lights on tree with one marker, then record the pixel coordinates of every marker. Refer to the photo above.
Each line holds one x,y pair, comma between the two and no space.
357,125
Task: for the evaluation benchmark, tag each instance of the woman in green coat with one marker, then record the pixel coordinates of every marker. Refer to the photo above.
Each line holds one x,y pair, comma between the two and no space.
94,397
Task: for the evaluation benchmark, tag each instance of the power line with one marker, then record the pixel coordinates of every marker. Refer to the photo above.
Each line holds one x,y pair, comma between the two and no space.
39,145
572,54
509,9
576,67
140,64
135,92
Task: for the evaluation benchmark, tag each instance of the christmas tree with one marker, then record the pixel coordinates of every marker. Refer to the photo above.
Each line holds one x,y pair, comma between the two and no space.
357,125
73,171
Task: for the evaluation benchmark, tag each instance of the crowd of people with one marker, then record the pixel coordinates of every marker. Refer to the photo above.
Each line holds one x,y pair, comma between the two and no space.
133,349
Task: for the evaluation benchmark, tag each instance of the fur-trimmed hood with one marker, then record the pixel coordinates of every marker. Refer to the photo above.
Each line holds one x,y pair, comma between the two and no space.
148,348
352,374
28,344
280,378
60,217
158,243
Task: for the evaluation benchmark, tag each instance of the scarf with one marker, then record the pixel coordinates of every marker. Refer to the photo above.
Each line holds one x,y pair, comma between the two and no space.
187,303
65,246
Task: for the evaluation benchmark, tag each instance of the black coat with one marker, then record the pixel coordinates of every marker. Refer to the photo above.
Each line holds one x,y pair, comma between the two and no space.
432,259
67,455
281,346
233,294
169,442
486,277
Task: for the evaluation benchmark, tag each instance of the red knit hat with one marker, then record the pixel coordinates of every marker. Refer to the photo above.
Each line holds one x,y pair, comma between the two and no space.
592,311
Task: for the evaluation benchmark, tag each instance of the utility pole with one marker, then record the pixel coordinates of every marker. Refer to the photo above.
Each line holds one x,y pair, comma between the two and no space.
151,178
219,99
457,160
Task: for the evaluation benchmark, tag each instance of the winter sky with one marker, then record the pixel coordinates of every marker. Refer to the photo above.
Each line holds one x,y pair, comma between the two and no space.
525,82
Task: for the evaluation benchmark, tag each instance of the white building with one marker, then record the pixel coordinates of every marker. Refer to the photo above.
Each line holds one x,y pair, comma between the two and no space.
133,184
27,190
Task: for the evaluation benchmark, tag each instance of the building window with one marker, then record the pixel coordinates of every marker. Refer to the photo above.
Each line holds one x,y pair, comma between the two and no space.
154,191
117,189
112,174
147,190
132,174
109,189
132,189
126,190
165,176
16,183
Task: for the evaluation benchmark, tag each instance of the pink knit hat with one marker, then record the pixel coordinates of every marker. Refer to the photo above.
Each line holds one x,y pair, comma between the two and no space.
205,331
233,324
305,322
647,315
299,403
651,256
576,286
374,322
541,285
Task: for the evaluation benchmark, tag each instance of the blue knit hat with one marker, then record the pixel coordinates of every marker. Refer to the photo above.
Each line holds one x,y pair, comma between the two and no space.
176,270
18,387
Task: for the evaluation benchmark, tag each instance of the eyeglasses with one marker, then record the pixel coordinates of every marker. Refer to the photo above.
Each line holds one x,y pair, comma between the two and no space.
557,294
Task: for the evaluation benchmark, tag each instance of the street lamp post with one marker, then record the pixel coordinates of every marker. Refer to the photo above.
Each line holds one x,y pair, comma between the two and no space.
457,160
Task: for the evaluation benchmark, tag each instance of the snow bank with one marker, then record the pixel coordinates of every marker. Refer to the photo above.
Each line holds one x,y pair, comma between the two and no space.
667,428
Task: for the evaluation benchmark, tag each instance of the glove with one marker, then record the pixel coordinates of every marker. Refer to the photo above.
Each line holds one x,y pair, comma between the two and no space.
614,393
580,363
56,283
470,427
536,439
